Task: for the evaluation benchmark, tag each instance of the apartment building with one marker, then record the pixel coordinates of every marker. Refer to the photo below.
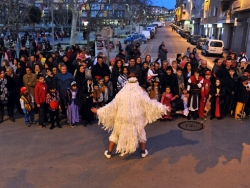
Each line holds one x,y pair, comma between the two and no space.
227,20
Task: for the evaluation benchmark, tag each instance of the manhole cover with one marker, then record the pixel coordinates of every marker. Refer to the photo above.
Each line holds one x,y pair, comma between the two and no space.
191,125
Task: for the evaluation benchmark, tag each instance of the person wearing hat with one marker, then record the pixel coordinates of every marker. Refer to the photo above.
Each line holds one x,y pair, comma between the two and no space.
205,89
241,68
242,97
27,105
127,115
194,86
231,83
154,90
53,101
72,103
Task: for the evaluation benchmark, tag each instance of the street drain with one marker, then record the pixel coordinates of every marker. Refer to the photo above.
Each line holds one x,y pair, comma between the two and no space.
191,125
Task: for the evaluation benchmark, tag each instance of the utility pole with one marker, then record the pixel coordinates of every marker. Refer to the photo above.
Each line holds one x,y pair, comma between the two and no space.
53,32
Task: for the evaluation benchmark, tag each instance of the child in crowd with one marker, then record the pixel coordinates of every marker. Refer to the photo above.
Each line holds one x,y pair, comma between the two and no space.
40,98
231,84
98,96
53,100
242,97
27,104
151,73
104,90
154,90
109,87
217,93
184,98
204,93
71,103
166,99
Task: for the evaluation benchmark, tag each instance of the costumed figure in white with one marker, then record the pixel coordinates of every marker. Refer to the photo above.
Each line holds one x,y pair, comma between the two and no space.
126,116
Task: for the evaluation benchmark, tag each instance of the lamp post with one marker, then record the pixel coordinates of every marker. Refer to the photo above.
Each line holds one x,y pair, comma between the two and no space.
67,18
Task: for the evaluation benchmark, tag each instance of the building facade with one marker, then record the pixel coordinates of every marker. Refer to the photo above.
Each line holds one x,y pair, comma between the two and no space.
226,20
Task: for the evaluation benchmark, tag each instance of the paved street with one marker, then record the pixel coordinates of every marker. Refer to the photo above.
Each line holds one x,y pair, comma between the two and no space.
216,157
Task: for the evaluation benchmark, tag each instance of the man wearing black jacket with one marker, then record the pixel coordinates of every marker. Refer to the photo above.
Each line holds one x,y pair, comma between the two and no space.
100,69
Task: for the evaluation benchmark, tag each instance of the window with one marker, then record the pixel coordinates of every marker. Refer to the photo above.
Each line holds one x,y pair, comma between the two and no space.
218,44
215,11
210,12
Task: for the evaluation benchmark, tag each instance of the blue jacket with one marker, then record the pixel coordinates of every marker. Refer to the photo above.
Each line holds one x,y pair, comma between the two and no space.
63,82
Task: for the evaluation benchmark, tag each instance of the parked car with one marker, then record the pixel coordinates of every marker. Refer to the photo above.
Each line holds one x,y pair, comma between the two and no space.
200,42
159,24
142,36
194,39
190,37
213,46
132,38
185,33
147,34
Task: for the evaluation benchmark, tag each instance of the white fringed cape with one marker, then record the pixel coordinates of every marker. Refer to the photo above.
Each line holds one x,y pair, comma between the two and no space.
127,115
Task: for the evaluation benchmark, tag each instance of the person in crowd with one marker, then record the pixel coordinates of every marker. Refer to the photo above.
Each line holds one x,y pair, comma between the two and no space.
63,80
33,61
170,79
27,105
178,58
41,89
50,78
109,86
117,70
217,93
122,79
81,74
29,81
53,101
111,65
103,89
135,69
187,73
154,90
5,64
174,66
241,68
15,87
194,85
188,52
231,83
100,69
242,97
203,68
86,101
147,59
121,55
193,61
166,99
71,100
138,62
98,96
151,73
144,74
162,53
204,95
129,51
217,70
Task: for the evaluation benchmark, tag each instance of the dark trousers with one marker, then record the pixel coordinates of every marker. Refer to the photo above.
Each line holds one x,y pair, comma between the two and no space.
15,101
228,104
9,109
42,112
63,107
54,117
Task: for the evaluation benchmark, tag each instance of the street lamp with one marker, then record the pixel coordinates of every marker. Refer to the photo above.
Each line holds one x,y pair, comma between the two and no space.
67,18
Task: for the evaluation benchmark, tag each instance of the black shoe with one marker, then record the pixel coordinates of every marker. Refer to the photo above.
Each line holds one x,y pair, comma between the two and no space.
52,127
212,117
189,117
28,125
59,126
12,119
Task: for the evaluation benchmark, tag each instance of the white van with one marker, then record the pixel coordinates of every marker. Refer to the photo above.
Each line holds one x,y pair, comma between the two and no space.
158,23
147,34
213,46
151,28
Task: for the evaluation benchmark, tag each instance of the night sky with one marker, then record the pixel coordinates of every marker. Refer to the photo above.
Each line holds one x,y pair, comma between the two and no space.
170,4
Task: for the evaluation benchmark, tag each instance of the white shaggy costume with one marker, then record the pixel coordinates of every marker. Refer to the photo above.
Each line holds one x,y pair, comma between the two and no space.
128,114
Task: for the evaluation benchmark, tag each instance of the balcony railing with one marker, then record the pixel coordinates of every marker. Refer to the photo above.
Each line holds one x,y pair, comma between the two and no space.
226,17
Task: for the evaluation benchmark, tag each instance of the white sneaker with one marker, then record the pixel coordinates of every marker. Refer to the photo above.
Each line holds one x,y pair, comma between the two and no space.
107,155
122,154
144,154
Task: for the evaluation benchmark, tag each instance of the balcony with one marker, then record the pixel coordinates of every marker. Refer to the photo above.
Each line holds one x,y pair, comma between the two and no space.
226,17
